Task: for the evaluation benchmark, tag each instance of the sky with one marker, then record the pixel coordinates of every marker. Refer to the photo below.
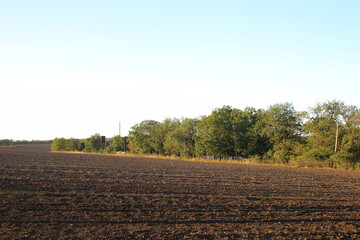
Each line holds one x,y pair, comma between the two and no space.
75,68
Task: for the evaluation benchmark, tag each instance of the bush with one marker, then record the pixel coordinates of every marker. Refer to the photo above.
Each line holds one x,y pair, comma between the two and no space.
320,153
93,144
62,144
344,160
58,144
117,144
311,163
6,142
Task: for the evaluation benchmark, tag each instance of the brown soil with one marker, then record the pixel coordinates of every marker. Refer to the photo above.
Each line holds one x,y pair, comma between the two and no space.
61,196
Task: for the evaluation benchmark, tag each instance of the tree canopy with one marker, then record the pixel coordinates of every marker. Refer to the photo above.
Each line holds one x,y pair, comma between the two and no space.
326,135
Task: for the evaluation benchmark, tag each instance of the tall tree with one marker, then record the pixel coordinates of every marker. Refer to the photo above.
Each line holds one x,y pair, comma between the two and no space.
252,141
180,141
333,132
283,128
58,144
167,127
144,137
94,144
350,150
117,144
215,134
328,123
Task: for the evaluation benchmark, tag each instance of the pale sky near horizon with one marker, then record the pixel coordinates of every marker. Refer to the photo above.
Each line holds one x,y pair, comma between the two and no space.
75,68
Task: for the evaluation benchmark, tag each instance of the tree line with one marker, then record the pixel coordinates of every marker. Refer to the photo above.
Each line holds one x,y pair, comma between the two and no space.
328,135
11,142
93,144
7,142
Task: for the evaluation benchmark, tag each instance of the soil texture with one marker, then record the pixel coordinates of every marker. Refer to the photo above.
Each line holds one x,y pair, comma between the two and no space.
45,195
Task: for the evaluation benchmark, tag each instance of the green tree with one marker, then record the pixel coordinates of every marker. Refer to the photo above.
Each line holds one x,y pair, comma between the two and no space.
230,132
94,144
58,144
346,153
329,122
283,127
167,127
252,141
180,141
72,144
62,144
117,144
215,134
144,137
6,142
350,150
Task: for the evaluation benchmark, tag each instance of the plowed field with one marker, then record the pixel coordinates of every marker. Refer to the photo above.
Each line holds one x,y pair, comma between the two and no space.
62,196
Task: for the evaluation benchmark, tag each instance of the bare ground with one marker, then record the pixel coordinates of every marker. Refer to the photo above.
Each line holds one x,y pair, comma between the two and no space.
62,196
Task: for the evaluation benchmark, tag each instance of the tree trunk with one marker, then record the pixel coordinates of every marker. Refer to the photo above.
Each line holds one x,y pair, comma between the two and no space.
337,137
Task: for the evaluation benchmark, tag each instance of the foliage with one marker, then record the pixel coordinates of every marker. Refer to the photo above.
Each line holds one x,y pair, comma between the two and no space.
145,138
328,135
349,155
62,144
94,144
231,132
179,141
117,144
326,119
251,140
321,153
334,133
166,130
215,134
282,123
32,141
282,126
7,142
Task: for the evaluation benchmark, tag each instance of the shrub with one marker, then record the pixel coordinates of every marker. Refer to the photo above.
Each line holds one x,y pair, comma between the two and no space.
93,144
59,144
320,153
344,160
311,163
6,142
62,144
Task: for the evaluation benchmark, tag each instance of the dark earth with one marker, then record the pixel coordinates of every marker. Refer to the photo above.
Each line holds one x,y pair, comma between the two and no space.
45,195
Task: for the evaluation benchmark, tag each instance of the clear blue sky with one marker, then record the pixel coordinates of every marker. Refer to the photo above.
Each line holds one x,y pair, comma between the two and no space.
75,68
